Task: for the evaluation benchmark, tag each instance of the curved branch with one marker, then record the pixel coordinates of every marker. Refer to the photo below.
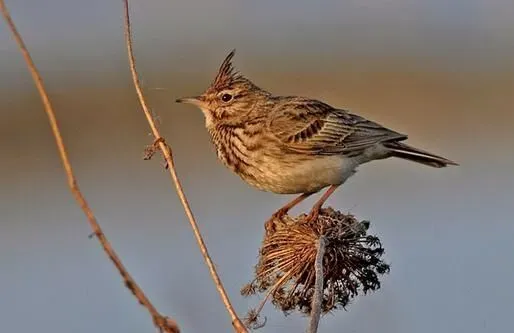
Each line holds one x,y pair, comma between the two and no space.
165,324
166,152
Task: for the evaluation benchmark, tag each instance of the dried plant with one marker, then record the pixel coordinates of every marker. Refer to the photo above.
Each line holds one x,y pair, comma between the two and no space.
286,268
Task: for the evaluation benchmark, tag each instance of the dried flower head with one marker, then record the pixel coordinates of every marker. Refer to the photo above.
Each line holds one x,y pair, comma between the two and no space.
285,270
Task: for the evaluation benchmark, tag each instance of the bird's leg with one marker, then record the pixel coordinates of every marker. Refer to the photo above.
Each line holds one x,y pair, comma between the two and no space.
313,215
277,216
287,207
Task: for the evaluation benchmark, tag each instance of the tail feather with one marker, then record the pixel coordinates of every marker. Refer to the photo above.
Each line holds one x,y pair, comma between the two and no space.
407,152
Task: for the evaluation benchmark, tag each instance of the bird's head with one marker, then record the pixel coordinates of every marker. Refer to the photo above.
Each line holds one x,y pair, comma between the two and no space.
229,98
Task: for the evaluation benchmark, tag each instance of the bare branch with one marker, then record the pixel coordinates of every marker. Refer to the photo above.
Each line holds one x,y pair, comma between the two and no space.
317,298
167,153
164,324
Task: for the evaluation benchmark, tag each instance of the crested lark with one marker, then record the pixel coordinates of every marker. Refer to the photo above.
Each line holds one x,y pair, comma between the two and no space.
292,144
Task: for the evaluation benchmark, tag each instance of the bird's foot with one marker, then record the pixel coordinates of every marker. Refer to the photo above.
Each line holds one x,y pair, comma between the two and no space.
271,225
313,214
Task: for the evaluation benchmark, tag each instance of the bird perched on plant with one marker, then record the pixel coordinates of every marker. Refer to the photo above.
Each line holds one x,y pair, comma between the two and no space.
293,144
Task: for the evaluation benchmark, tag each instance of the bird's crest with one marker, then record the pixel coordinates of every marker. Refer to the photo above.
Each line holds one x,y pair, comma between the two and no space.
226,74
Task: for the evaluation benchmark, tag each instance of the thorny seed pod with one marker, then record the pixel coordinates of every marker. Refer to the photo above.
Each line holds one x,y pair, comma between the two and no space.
285,270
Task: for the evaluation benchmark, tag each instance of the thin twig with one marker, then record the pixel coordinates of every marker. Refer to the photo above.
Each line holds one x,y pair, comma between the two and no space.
164,324
317,298
166,151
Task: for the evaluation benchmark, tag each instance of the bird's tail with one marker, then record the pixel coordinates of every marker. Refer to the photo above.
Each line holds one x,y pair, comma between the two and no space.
406,152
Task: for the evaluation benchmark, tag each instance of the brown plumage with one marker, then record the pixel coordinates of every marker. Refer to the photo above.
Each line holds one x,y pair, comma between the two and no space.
291,144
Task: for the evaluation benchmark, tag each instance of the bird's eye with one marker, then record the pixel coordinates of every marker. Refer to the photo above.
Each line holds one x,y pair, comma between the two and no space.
226,97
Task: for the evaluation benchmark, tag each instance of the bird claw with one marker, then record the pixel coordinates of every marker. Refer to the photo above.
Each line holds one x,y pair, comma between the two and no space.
271,225
279,214
313,215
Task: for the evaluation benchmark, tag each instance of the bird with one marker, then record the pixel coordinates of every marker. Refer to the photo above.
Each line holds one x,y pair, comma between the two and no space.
293,144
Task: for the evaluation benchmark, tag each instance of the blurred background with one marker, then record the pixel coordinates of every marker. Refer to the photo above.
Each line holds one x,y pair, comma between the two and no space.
441,71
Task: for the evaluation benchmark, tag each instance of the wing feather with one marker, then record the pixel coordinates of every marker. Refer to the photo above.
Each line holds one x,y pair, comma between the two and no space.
313,127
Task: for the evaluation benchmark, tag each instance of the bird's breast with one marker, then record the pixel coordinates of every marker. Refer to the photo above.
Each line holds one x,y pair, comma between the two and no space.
300,174
239,151
264,164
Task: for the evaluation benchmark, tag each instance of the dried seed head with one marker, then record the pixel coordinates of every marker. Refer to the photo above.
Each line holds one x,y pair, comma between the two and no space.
253,320
285,269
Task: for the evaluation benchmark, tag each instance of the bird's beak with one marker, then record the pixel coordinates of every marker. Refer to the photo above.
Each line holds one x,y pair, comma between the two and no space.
195,100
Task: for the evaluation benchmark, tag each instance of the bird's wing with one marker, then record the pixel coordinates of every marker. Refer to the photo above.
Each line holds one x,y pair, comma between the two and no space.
313,127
